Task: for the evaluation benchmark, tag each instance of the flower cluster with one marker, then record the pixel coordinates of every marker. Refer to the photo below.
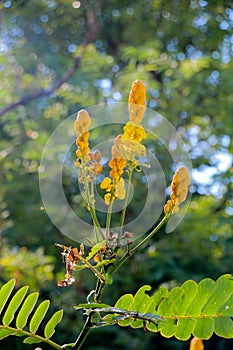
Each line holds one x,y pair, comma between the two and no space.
81,126
127,145
134,133
89,161
115,186
179,187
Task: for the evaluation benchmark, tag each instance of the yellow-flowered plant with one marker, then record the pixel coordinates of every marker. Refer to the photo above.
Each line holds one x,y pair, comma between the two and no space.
127,147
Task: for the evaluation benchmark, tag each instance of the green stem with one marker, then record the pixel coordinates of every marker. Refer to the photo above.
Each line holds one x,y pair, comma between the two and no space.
88,324
36,336
132,251
83,334
100,286
92,268
108,220
91,207
131,168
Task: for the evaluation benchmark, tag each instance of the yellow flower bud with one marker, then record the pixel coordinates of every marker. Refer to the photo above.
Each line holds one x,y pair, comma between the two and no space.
98,156
137,101
179,187
196,344
82,122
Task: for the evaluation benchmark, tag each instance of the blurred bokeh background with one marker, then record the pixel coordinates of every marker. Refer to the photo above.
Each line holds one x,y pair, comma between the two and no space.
183,51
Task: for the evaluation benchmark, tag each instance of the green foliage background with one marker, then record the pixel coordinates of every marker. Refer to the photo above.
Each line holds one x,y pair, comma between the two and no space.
183,51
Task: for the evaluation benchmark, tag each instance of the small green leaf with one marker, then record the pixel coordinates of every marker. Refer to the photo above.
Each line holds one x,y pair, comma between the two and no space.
204,328
167,328
190,289
205,289
141,299
95,249
14,305
5,333
38,316
222,290
168,305
227,308
5,292
26,309
32,340
224,327
184,328
96,318
50,326
108,278
125,302
105,262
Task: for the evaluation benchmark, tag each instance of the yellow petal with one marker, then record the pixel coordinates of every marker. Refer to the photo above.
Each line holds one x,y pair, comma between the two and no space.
106,183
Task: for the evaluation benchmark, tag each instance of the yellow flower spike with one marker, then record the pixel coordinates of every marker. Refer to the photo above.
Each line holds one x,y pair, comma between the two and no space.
179,190
81,125
127,146
137,101
196,344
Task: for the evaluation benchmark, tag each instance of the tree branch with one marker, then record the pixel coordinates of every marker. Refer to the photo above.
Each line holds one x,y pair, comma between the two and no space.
93,28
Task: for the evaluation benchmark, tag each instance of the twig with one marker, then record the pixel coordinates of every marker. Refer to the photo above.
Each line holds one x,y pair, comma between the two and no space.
93,28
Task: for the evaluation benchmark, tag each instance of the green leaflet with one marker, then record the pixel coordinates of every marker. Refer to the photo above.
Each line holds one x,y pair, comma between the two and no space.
204,327
31,340
95,249
14,305
125,302
220,294
25,310
192,309
5,333
224,327
5,293
25,307
50,326
38,316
